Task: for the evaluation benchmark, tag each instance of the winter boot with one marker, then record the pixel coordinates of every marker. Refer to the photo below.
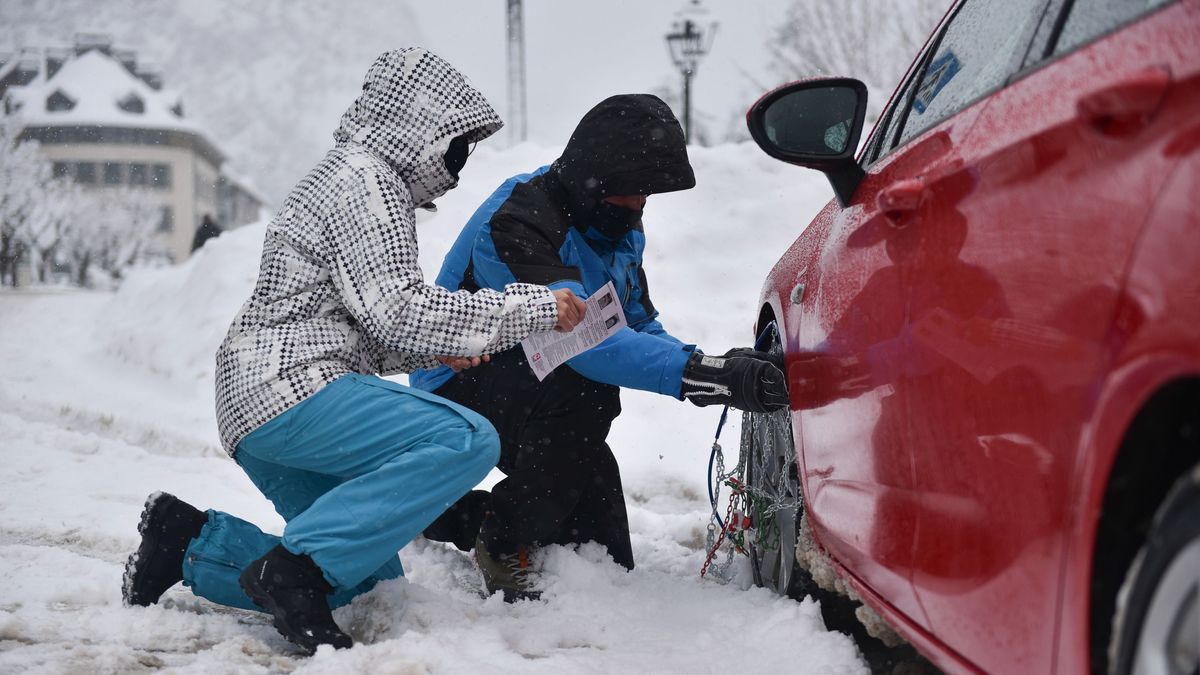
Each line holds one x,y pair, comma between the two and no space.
292,588
509,573
168,526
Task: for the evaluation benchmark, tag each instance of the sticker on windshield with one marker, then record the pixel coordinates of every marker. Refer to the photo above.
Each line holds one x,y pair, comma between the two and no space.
940,72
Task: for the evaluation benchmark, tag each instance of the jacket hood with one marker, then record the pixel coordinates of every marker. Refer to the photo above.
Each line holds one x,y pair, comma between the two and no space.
628,144
413,103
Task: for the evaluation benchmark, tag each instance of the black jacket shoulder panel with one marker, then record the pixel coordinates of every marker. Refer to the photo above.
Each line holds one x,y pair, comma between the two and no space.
529,229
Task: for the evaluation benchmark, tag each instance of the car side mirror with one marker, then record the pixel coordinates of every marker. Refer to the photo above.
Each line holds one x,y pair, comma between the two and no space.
815,124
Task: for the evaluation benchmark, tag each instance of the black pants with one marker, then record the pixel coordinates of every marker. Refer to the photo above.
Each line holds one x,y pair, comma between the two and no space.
562,484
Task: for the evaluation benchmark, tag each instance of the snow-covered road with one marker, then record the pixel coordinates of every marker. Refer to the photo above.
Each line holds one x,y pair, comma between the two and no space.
106,397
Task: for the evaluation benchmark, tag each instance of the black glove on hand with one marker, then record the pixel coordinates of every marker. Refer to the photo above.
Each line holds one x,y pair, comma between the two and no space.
752,353
745,383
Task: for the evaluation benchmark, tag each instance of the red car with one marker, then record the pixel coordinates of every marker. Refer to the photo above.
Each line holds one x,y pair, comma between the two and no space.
992,342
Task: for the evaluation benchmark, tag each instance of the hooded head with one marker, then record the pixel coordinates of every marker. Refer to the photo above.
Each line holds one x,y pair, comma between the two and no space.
413,104
629,144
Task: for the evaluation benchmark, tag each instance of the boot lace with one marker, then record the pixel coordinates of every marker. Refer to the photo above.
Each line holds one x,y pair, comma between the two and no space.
518,567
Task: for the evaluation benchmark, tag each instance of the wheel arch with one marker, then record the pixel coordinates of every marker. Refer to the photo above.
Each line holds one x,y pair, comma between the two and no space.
1160,442
766,314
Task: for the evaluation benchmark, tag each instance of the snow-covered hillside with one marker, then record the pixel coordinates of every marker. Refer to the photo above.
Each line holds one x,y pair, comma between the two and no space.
105,397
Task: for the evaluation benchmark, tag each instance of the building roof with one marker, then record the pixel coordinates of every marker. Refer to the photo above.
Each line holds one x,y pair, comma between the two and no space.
96,89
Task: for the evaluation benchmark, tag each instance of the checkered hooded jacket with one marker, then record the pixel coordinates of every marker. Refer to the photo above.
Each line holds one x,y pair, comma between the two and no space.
339,289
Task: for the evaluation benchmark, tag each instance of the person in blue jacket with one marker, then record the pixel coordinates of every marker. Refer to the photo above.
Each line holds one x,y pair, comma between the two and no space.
576,224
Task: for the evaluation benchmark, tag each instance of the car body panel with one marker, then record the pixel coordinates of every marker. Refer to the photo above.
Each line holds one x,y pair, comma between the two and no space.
1009,319
1014,335
1159,338
857,469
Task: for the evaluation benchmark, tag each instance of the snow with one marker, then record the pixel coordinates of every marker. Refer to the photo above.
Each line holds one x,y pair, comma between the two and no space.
106,397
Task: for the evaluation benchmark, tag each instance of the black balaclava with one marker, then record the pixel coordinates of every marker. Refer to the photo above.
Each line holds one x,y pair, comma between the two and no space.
611,220
456,155
629,144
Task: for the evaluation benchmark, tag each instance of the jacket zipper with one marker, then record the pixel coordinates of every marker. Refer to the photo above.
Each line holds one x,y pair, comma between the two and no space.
220,563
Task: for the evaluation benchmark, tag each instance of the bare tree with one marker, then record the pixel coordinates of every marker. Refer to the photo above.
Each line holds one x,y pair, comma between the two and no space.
871,40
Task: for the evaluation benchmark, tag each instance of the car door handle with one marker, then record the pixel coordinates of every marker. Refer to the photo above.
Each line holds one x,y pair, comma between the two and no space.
1127,105
901,197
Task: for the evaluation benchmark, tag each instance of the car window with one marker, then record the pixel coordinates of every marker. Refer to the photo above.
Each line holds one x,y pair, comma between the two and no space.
887,132
1089,19
975,55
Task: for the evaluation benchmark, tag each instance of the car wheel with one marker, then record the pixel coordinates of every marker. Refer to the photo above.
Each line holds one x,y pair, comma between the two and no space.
775,494
1156,628
773,489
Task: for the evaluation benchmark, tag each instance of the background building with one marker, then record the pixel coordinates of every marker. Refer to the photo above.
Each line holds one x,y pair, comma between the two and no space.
106,121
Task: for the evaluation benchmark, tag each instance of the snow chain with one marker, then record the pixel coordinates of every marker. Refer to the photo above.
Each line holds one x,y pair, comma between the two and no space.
732,526
749,508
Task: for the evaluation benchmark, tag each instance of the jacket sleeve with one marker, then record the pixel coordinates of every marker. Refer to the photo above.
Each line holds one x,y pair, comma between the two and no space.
635,359
372,241
651,324
638,359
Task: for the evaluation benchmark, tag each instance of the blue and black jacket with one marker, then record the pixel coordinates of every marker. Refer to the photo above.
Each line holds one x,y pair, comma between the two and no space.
551,227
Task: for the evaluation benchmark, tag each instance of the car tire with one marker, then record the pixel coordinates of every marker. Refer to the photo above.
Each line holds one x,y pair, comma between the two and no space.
772,479
1156,627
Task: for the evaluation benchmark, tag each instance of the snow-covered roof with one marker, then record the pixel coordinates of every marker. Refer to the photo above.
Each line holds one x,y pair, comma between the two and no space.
95,89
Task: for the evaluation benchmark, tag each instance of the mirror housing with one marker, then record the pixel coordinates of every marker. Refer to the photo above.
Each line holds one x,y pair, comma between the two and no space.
816,124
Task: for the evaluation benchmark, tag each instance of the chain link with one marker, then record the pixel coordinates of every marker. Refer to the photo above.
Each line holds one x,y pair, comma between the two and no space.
752,507
759,503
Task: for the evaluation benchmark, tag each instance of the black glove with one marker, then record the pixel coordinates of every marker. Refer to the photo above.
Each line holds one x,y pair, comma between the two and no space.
775,359
745,383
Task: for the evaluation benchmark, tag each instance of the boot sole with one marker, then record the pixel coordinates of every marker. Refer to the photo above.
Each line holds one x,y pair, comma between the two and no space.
261,598
512,595
131,565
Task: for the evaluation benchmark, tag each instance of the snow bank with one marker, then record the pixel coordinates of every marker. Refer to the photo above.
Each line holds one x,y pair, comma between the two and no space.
171,320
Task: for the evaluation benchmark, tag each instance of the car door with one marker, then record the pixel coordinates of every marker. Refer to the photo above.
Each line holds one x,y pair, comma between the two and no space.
1020,241
857,460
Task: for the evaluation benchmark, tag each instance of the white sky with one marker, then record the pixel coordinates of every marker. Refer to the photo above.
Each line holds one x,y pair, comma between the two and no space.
578,53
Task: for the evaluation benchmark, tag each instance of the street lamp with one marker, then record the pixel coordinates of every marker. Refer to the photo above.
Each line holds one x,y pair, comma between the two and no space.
688,42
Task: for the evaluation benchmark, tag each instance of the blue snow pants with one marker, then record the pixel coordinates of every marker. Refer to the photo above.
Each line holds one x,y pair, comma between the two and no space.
356,470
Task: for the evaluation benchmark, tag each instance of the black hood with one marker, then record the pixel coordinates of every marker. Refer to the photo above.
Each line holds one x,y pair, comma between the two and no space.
630,144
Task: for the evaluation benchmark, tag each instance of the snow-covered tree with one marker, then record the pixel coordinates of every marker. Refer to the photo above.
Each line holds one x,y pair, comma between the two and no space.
871,40
23,174
111,230
50,223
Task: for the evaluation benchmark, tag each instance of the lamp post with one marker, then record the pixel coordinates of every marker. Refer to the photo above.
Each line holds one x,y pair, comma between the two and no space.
516,70
688,42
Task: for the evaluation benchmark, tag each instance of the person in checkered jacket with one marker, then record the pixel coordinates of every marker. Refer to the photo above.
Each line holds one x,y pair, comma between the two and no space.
356,465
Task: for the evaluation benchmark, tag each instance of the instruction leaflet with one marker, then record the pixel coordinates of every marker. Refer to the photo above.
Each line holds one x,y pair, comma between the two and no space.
604,316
